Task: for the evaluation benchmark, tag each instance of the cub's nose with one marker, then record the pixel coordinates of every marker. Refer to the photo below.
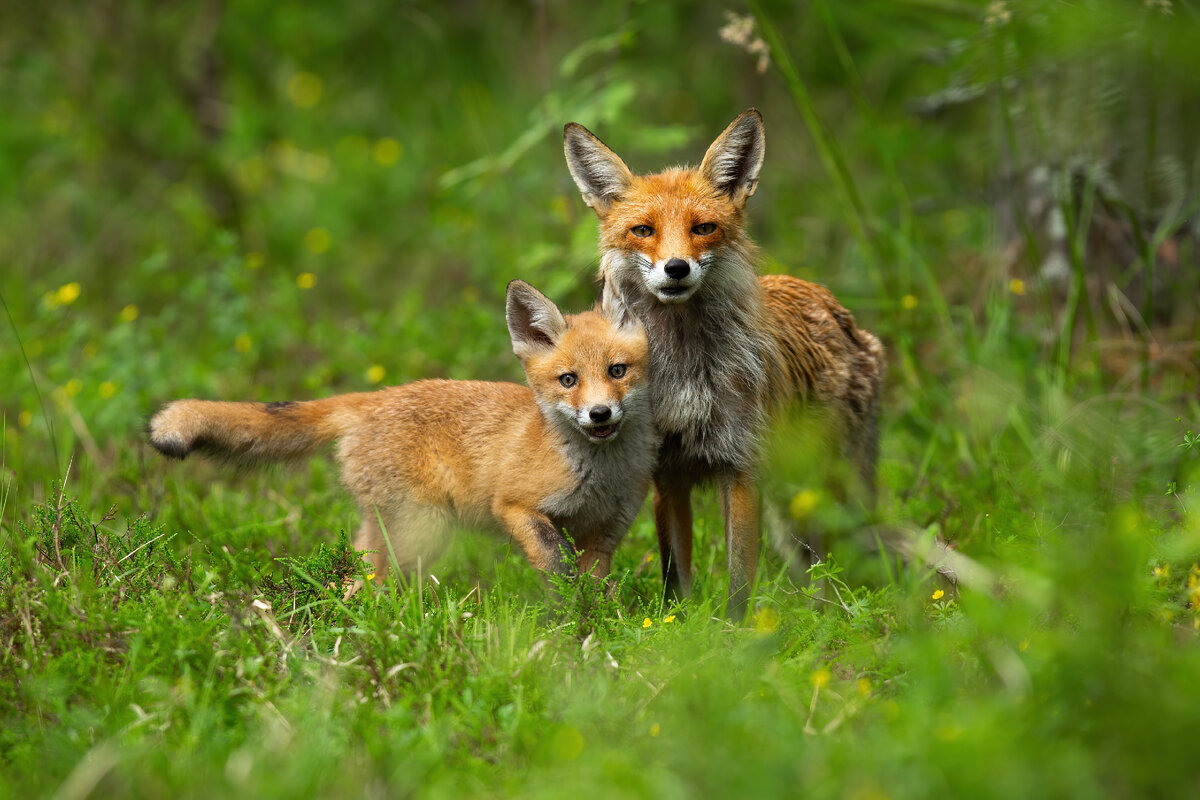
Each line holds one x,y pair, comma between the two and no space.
677,268
600,413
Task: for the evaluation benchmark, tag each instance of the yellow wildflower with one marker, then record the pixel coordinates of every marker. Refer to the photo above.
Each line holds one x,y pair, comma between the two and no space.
375,374
306,280
67,293
567,743
243,343
304,89
73,387
647,622
938,595
669,618
948,733
863,686
251,174
908,302
129,313
1016,286
655,729
803,503
387,151
317,241
820,678
107,389
766,620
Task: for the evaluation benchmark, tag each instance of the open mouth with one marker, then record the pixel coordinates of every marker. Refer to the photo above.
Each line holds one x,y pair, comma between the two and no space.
600,432
671,295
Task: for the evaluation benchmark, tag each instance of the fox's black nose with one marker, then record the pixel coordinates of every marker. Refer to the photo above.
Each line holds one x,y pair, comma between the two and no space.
600,413
677,268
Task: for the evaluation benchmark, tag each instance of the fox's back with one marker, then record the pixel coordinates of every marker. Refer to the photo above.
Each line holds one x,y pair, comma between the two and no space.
448,443
821,352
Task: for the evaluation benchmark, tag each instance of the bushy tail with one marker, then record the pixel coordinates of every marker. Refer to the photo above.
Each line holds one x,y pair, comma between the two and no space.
248,433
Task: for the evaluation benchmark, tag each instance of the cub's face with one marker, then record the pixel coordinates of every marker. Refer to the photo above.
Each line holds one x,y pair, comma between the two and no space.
595,377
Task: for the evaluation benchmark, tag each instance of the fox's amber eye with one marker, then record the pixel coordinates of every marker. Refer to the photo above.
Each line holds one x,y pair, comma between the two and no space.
642,231
704,228
568,380
617,370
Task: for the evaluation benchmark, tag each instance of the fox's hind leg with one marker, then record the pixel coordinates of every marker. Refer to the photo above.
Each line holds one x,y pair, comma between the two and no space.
369,541
407,536
866,454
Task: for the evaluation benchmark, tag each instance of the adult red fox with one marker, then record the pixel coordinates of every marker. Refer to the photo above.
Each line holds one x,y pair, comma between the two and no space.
726,346
572,451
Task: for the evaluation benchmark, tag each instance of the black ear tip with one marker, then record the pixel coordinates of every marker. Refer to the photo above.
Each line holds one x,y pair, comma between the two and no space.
519,287
751,115
522,292
573,131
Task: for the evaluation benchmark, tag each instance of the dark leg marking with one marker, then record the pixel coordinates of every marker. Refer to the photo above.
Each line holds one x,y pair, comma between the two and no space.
554,541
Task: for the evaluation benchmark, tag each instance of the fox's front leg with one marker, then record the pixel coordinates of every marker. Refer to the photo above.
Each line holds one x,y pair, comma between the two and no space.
673,522
595,563
739,503
545,545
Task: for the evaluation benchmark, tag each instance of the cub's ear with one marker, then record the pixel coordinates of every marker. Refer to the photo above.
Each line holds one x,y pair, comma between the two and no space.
600,174
614,309
733,161
534,323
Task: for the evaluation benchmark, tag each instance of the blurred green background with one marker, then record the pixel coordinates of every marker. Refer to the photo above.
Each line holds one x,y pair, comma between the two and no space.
279,201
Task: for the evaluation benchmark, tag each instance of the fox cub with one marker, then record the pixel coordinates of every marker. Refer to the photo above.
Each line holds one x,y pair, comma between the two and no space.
573,451
727,347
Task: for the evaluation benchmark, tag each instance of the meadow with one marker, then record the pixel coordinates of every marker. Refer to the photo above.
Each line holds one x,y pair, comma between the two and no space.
284,201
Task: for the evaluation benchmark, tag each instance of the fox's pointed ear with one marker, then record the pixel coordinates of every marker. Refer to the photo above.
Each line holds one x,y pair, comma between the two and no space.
599,173
614,309
534,323
733,161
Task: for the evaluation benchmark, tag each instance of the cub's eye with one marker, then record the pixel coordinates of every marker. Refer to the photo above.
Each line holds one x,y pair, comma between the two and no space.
568,380
642,230
617,370
704,228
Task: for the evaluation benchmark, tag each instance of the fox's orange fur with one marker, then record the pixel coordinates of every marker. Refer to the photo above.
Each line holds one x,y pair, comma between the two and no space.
727,347
528,461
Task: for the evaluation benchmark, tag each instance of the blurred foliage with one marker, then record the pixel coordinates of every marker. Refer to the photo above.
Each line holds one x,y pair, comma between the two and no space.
246,201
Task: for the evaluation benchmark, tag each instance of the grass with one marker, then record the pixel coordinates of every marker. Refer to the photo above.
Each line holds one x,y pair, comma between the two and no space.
371,185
